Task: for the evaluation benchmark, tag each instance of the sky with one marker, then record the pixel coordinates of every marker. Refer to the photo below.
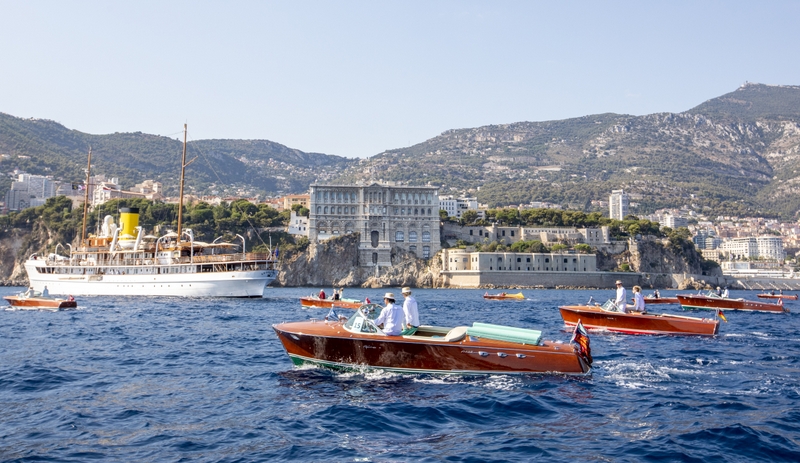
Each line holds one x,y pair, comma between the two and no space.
356,78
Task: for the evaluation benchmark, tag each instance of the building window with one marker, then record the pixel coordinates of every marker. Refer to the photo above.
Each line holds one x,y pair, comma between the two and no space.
412,237
426,252
398,236
512,232
426,237
547,259
326,209
413,249
528,259
504,233
470,233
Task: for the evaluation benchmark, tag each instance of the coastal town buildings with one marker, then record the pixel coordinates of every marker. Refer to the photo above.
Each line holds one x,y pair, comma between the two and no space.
29,191
388,217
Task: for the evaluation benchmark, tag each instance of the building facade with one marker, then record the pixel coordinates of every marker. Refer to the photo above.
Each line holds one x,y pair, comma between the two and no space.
29,191
388,217
766,247
456,206
618,204
464,260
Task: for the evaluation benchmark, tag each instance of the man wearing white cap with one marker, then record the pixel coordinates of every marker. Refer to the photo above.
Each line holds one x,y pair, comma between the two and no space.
621,297
410,311
391,316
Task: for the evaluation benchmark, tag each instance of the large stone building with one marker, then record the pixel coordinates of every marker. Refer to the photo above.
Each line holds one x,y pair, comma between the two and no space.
596,237
765,247
386,216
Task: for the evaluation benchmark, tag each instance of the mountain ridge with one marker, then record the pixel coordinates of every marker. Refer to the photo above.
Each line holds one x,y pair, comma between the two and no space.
735,154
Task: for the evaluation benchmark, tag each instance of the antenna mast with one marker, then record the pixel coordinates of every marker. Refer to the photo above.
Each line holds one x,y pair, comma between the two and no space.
180,200
86,197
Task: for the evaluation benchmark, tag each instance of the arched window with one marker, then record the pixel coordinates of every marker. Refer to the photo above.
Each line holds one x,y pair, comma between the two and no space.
319,210
339,210
398,236
326,209
412,237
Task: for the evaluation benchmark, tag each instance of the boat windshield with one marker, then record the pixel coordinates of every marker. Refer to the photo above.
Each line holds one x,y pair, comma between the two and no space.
362,320
610,306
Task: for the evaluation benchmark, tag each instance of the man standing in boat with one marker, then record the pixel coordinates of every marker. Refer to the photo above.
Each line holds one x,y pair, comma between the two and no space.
411,311
621,303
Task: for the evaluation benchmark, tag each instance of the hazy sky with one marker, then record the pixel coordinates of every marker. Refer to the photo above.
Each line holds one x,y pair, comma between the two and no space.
355,78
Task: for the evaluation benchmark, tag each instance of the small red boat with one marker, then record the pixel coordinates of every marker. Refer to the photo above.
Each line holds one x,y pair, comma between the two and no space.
483,348
39,302
313,302
503,296
778,296
711,301
637,323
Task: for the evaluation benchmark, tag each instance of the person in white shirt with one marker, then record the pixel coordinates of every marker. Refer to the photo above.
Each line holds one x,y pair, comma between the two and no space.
391,317
725,293
638,300
621,303
410,310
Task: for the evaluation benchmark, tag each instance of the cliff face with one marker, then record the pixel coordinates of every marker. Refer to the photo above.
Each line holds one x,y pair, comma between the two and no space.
335,263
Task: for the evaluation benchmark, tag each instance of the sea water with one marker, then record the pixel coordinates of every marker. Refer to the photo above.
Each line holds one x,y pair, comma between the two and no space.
174,379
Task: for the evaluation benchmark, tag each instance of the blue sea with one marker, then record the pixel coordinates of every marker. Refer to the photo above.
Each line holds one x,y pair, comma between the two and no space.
170,379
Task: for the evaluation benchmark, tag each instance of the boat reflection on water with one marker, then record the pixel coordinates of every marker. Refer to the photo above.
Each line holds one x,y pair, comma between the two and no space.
356,342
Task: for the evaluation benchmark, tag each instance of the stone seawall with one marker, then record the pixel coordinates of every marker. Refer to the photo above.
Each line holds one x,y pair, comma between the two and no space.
512,279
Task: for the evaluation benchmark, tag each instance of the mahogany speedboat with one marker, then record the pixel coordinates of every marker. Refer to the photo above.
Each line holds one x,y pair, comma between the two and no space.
501,296
597,317
778,296
317,303
39,302
483,348
713,302
660,300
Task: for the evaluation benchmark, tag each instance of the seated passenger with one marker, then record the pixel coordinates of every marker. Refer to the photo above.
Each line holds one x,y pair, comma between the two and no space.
391,316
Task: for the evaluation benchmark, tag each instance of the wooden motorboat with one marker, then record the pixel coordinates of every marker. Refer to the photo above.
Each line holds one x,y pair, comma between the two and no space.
660,300
596,317
711,301
36,301
317,303
778,296
356,343
501,296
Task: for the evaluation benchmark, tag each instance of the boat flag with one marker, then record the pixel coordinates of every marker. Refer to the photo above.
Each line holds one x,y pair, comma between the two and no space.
721,315
581,337
332,315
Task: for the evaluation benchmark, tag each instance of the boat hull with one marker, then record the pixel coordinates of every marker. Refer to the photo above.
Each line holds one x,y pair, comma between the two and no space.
317,303
661,300
100,282
697,301
329,344
778,296
500,297
637,323
38,303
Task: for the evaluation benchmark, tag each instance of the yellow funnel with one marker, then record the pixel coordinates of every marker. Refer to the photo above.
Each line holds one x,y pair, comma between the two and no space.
128,221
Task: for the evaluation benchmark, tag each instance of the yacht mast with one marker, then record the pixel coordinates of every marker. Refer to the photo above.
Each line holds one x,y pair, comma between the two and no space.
86,197
180,200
